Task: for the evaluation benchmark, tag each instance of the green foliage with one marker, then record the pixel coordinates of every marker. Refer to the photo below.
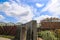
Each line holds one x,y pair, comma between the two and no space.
8,30
47,35
57,33
6,36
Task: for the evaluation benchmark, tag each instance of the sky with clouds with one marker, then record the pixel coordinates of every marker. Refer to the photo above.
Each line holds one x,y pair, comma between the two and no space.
26,10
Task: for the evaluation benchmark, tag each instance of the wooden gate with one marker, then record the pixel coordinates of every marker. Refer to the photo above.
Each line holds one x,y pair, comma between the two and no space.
27,31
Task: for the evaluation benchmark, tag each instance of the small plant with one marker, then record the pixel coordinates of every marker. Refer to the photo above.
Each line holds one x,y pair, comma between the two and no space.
8,30
47,35
57,33
6,36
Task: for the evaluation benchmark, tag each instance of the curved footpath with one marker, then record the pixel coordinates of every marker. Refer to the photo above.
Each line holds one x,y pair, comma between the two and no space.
1,38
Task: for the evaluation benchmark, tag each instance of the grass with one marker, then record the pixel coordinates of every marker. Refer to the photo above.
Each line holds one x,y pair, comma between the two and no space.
7,36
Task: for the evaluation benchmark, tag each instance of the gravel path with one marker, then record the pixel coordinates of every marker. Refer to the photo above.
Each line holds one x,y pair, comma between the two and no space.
1,38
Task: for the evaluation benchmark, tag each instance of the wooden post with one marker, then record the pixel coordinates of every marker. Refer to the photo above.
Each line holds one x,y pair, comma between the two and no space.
27,31
23,32
18,31
32,31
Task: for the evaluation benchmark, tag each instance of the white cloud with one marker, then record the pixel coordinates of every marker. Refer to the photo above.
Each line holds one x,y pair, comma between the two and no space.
39,5
1,17
21,13
53,6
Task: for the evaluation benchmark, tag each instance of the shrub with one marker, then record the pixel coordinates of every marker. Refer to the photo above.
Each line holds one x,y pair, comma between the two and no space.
57,33
7,36
47,35
8,30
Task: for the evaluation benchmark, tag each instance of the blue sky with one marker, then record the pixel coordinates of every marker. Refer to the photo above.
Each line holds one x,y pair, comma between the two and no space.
26,10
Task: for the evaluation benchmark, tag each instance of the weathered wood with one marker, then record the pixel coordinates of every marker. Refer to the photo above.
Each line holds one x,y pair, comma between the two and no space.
32,31
27,31
23,32
18,33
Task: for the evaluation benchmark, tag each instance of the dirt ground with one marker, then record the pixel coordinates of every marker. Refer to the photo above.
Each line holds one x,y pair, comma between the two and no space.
39,39
1,38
